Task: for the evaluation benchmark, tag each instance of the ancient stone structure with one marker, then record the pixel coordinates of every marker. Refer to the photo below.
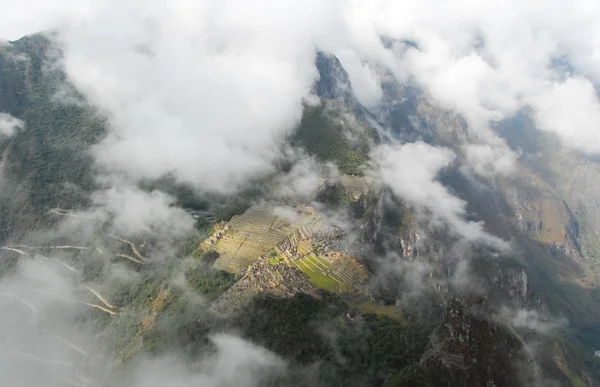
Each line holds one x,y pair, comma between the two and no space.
282,257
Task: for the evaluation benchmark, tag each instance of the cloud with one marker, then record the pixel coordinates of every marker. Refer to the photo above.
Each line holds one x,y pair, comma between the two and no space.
39,15
411,170
484,63
288,214
236,362
365,78
205,91
49,336
462,277
122,208
530,319
490,160
305,177
9,125
39,344
570,109
139,212
412,279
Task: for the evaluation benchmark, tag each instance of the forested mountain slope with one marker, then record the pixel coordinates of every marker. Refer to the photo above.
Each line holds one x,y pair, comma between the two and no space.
343,284
45,165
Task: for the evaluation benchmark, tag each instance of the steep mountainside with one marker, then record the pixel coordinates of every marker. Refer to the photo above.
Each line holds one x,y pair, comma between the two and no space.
47,164
350,285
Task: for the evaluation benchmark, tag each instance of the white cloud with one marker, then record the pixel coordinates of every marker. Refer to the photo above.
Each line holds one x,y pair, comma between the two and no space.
365,79
305,177
236,362
39,303
132,211
9,125
204,90
570,109
411,170
20,19
127,211
530,319
483,61
490,160
44,340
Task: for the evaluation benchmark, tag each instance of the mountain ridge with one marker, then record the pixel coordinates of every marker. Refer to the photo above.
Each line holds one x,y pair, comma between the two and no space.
47,167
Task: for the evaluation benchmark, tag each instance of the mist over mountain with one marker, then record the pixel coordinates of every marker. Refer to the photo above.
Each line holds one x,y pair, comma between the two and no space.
259,193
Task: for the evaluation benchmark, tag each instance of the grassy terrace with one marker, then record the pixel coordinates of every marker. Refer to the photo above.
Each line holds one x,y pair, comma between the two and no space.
323,279
336,276
252,234
259,232
380,310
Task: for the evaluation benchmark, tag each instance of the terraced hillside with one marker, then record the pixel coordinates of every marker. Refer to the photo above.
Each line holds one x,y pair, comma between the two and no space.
327,269
246,237
284,272
283,258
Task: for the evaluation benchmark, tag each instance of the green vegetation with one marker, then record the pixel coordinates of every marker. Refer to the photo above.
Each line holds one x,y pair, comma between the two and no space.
411,376
369,307
209,282
323,135
577,381
333,194
321,280
315,333
47,164
179,325
406,220
274,258
162,316
318,278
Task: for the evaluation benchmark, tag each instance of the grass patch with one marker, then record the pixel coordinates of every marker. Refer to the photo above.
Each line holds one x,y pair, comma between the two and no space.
577,381
209,282
318,278
390,311
323,281
274,258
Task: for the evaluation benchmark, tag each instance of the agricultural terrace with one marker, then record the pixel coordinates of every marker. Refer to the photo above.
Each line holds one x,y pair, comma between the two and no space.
335,272
242,240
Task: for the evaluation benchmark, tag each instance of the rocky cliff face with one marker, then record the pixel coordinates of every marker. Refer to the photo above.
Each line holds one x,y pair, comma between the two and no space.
334,84
469,350
543,209
389,225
